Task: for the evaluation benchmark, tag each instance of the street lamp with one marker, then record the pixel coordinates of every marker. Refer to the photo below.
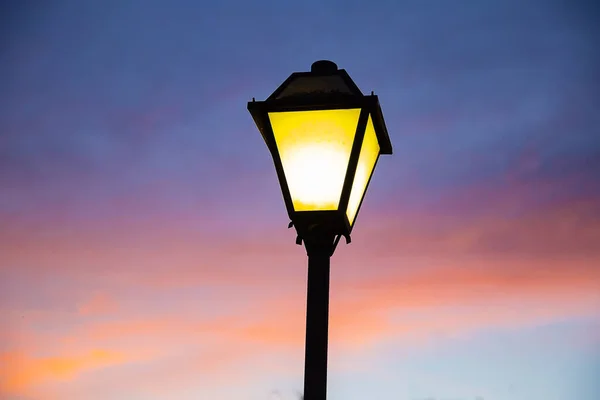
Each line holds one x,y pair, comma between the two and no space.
325,138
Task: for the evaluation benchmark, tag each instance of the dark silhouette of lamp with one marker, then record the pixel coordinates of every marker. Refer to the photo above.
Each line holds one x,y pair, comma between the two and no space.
325,138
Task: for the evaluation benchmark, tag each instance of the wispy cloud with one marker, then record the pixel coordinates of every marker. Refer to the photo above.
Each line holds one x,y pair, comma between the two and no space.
25,372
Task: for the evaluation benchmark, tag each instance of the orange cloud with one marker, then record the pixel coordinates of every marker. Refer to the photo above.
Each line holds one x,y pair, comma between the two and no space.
23,372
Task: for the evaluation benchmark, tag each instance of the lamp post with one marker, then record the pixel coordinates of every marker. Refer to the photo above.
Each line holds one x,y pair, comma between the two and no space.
325,138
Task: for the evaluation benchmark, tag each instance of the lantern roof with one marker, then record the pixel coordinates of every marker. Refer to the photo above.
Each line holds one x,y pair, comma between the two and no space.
324,78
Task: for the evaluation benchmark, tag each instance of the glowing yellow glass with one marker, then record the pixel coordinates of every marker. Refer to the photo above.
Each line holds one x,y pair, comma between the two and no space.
315,147
366,162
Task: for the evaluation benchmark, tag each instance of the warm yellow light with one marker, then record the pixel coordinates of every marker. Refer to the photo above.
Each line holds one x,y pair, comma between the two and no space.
366,162
315,147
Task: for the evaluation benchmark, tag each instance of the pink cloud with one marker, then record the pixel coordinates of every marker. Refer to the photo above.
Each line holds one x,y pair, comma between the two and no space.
451,297
99,303
125,284
567,228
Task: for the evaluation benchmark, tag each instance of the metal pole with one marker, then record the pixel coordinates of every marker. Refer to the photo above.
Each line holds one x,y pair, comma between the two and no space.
317,324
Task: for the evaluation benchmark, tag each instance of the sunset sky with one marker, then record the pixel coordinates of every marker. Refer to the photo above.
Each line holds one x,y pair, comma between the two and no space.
144,253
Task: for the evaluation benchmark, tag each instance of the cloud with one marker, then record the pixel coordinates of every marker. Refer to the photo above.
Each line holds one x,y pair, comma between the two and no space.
24,371
98,304
360,308
421,300
565,228
461,277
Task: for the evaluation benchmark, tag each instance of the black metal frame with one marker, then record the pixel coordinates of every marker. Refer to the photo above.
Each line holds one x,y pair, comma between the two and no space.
333,222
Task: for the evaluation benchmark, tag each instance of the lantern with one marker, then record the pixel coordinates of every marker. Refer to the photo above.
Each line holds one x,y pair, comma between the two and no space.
325,138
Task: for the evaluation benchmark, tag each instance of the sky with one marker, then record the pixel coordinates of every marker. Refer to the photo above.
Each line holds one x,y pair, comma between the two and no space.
143,245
